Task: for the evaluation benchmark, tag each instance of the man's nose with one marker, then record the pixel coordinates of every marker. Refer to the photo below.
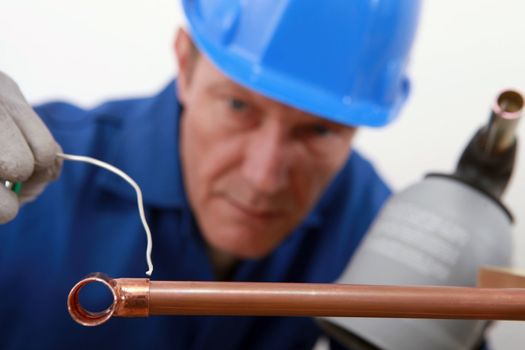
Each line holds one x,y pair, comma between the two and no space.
267,161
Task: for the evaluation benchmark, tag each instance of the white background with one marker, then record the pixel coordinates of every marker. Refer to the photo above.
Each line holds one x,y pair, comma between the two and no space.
466,51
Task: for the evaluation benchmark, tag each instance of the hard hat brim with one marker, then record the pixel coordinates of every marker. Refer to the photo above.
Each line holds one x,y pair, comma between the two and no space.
292,91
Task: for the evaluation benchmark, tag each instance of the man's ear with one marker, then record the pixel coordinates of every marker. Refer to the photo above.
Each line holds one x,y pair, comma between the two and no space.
185,53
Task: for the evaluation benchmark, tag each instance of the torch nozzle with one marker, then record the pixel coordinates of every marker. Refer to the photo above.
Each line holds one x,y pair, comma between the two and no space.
501,129
488,160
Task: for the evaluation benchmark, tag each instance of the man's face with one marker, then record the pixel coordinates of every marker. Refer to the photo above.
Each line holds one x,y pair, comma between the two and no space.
253,167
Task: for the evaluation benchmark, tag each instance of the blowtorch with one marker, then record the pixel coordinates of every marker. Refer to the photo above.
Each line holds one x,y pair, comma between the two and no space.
439,231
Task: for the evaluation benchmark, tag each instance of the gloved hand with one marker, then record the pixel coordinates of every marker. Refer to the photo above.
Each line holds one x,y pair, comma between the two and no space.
27,150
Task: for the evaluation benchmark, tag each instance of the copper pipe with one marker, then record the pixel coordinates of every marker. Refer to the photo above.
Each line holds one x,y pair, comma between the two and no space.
142,297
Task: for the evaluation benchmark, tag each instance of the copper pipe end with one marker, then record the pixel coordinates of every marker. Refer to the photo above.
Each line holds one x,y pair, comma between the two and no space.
83,316
130,299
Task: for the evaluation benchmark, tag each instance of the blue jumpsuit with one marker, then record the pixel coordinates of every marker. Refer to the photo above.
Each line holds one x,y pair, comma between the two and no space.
87,221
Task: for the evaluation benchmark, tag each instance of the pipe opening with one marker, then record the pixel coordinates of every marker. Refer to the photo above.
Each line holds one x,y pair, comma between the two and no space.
95,296
91,317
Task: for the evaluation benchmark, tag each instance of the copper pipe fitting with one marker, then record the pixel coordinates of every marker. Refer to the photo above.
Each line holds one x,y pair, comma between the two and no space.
130,299
141,298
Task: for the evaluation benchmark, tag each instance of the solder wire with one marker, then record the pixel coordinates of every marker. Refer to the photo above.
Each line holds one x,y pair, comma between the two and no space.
128,179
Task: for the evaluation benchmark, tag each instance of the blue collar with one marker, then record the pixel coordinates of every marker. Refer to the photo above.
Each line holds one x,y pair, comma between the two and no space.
146,148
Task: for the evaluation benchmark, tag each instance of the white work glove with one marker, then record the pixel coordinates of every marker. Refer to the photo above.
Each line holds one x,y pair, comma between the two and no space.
27,150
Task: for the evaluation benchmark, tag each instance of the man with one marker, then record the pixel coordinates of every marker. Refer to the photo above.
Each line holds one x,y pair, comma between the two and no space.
245,164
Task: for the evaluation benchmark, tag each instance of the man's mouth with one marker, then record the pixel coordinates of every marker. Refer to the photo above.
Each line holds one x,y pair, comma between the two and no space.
253,213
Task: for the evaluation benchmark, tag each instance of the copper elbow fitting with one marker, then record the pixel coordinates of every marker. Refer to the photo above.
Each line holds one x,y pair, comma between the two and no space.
130,299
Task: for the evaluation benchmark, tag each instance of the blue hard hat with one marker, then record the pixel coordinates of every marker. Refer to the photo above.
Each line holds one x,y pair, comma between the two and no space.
344,60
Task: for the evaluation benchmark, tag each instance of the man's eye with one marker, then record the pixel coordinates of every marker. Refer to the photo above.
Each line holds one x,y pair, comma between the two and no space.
320,129
237,104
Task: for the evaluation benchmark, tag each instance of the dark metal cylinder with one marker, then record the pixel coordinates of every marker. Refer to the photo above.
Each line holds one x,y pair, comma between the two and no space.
504,118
